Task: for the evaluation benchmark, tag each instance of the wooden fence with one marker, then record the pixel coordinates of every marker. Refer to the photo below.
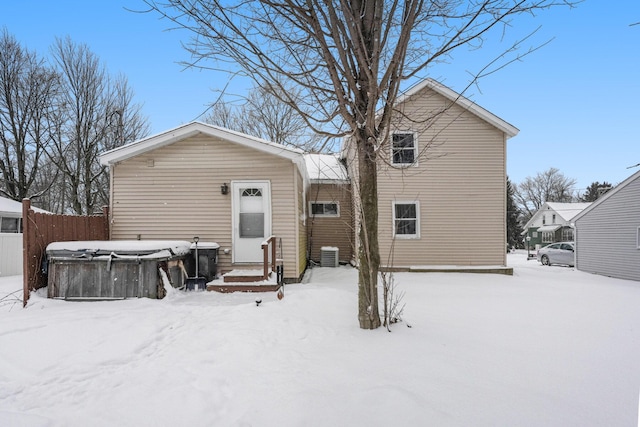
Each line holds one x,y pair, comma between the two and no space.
40,229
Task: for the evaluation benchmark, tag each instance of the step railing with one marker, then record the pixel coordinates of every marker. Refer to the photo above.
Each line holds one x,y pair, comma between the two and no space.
269,256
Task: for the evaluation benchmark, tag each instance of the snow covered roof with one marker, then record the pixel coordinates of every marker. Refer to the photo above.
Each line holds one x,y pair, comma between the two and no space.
139,247
325,168
13,207
466,103
190,129
568,210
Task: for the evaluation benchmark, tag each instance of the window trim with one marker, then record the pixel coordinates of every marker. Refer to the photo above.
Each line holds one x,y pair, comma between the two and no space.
324,215
393,219
415,149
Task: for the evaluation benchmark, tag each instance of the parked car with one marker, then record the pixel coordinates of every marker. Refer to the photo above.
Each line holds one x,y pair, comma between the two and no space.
558,253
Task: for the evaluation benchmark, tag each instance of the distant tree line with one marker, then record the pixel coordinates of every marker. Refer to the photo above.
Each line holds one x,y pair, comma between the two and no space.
524,199
57,115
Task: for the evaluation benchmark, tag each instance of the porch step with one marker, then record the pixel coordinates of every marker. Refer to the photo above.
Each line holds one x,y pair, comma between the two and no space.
244,281
243,287
244,276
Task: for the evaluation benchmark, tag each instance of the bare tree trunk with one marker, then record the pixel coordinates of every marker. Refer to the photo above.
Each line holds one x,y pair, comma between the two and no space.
368,250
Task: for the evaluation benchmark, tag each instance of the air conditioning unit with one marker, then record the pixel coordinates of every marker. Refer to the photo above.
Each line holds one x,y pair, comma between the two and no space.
328,256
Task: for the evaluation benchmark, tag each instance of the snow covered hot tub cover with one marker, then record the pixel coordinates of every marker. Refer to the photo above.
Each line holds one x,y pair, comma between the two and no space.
140,248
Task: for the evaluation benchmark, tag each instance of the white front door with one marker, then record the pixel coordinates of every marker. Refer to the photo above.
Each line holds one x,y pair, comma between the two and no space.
251,219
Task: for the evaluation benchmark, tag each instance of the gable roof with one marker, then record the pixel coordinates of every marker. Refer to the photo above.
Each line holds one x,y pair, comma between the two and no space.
465,103
325,169
190,129
608,194
566,211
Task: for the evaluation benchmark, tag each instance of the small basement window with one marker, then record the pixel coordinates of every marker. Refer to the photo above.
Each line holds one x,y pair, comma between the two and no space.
328,209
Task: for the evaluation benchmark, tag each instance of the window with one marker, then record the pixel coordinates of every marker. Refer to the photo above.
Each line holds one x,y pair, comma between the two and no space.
544,219
403,148
10,225
553,219
324,209
547,236
534,234
406,220
251,216
567,234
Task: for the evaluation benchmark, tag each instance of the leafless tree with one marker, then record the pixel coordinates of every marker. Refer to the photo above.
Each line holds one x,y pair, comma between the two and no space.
548,186
27,87
95,113
347,59
265,115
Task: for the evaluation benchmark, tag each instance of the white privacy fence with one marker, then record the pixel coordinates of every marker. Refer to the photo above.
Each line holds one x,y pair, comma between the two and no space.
10,254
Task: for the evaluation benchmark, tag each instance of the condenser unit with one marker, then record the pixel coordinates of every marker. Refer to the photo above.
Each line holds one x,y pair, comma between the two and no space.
328,256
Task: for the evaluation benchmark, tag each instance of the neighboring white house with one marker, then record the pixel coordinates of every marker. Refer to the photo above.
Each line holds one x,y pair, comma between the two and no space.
608,233
552,223
10,237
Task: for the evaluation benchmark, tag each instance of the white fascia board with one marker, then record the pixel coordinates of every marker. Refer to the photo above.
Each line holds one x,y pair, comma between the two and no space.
467,104
185,131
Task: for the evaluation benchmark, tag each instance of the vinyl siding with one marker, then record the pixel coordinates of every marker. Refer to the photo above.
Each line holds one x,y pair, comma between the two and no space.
459,182
606,236
10,254
173,192
332,231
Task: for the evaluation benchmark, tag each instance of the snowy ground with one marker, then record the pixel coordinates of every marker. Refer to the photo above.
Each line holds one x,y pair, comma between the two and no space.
550,346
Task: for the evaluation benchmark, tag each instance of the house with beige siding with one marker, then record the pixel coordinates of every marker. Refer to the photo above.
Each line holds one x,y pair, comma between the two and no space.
608,233
441,182
330,222
442,190
216,184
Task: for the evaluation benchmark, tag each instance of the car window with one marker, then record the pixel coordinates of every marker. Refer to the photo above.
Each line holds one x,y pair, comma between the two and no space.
566,247
554,246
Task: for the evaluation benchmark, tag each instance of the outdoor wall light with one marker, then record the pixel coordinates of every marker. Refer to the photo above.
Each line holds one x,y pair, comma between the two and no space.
224,188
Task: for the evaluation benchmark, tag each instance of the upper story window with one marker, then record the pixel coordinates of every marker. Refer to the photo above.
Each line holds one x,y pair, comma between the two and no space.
404,148
544,219
553,219
406,220
324,209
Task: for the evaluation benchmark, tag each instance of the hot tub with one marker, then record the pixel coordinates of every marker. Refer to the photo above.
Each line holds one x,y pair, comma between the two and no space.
114,269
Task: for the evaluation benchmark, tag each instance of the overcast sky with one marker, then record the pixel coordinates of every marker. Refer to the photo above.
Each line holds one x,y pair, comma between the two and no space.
575,100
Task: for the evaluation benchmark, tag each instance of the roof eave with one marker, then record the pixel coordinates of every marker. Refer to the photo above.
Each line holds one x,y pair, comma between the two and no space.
509,130
185,131
608,194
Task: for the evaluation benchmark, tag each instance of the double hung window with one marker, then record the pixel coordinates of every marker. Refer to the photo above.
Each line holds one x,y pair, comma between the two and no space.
406,220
